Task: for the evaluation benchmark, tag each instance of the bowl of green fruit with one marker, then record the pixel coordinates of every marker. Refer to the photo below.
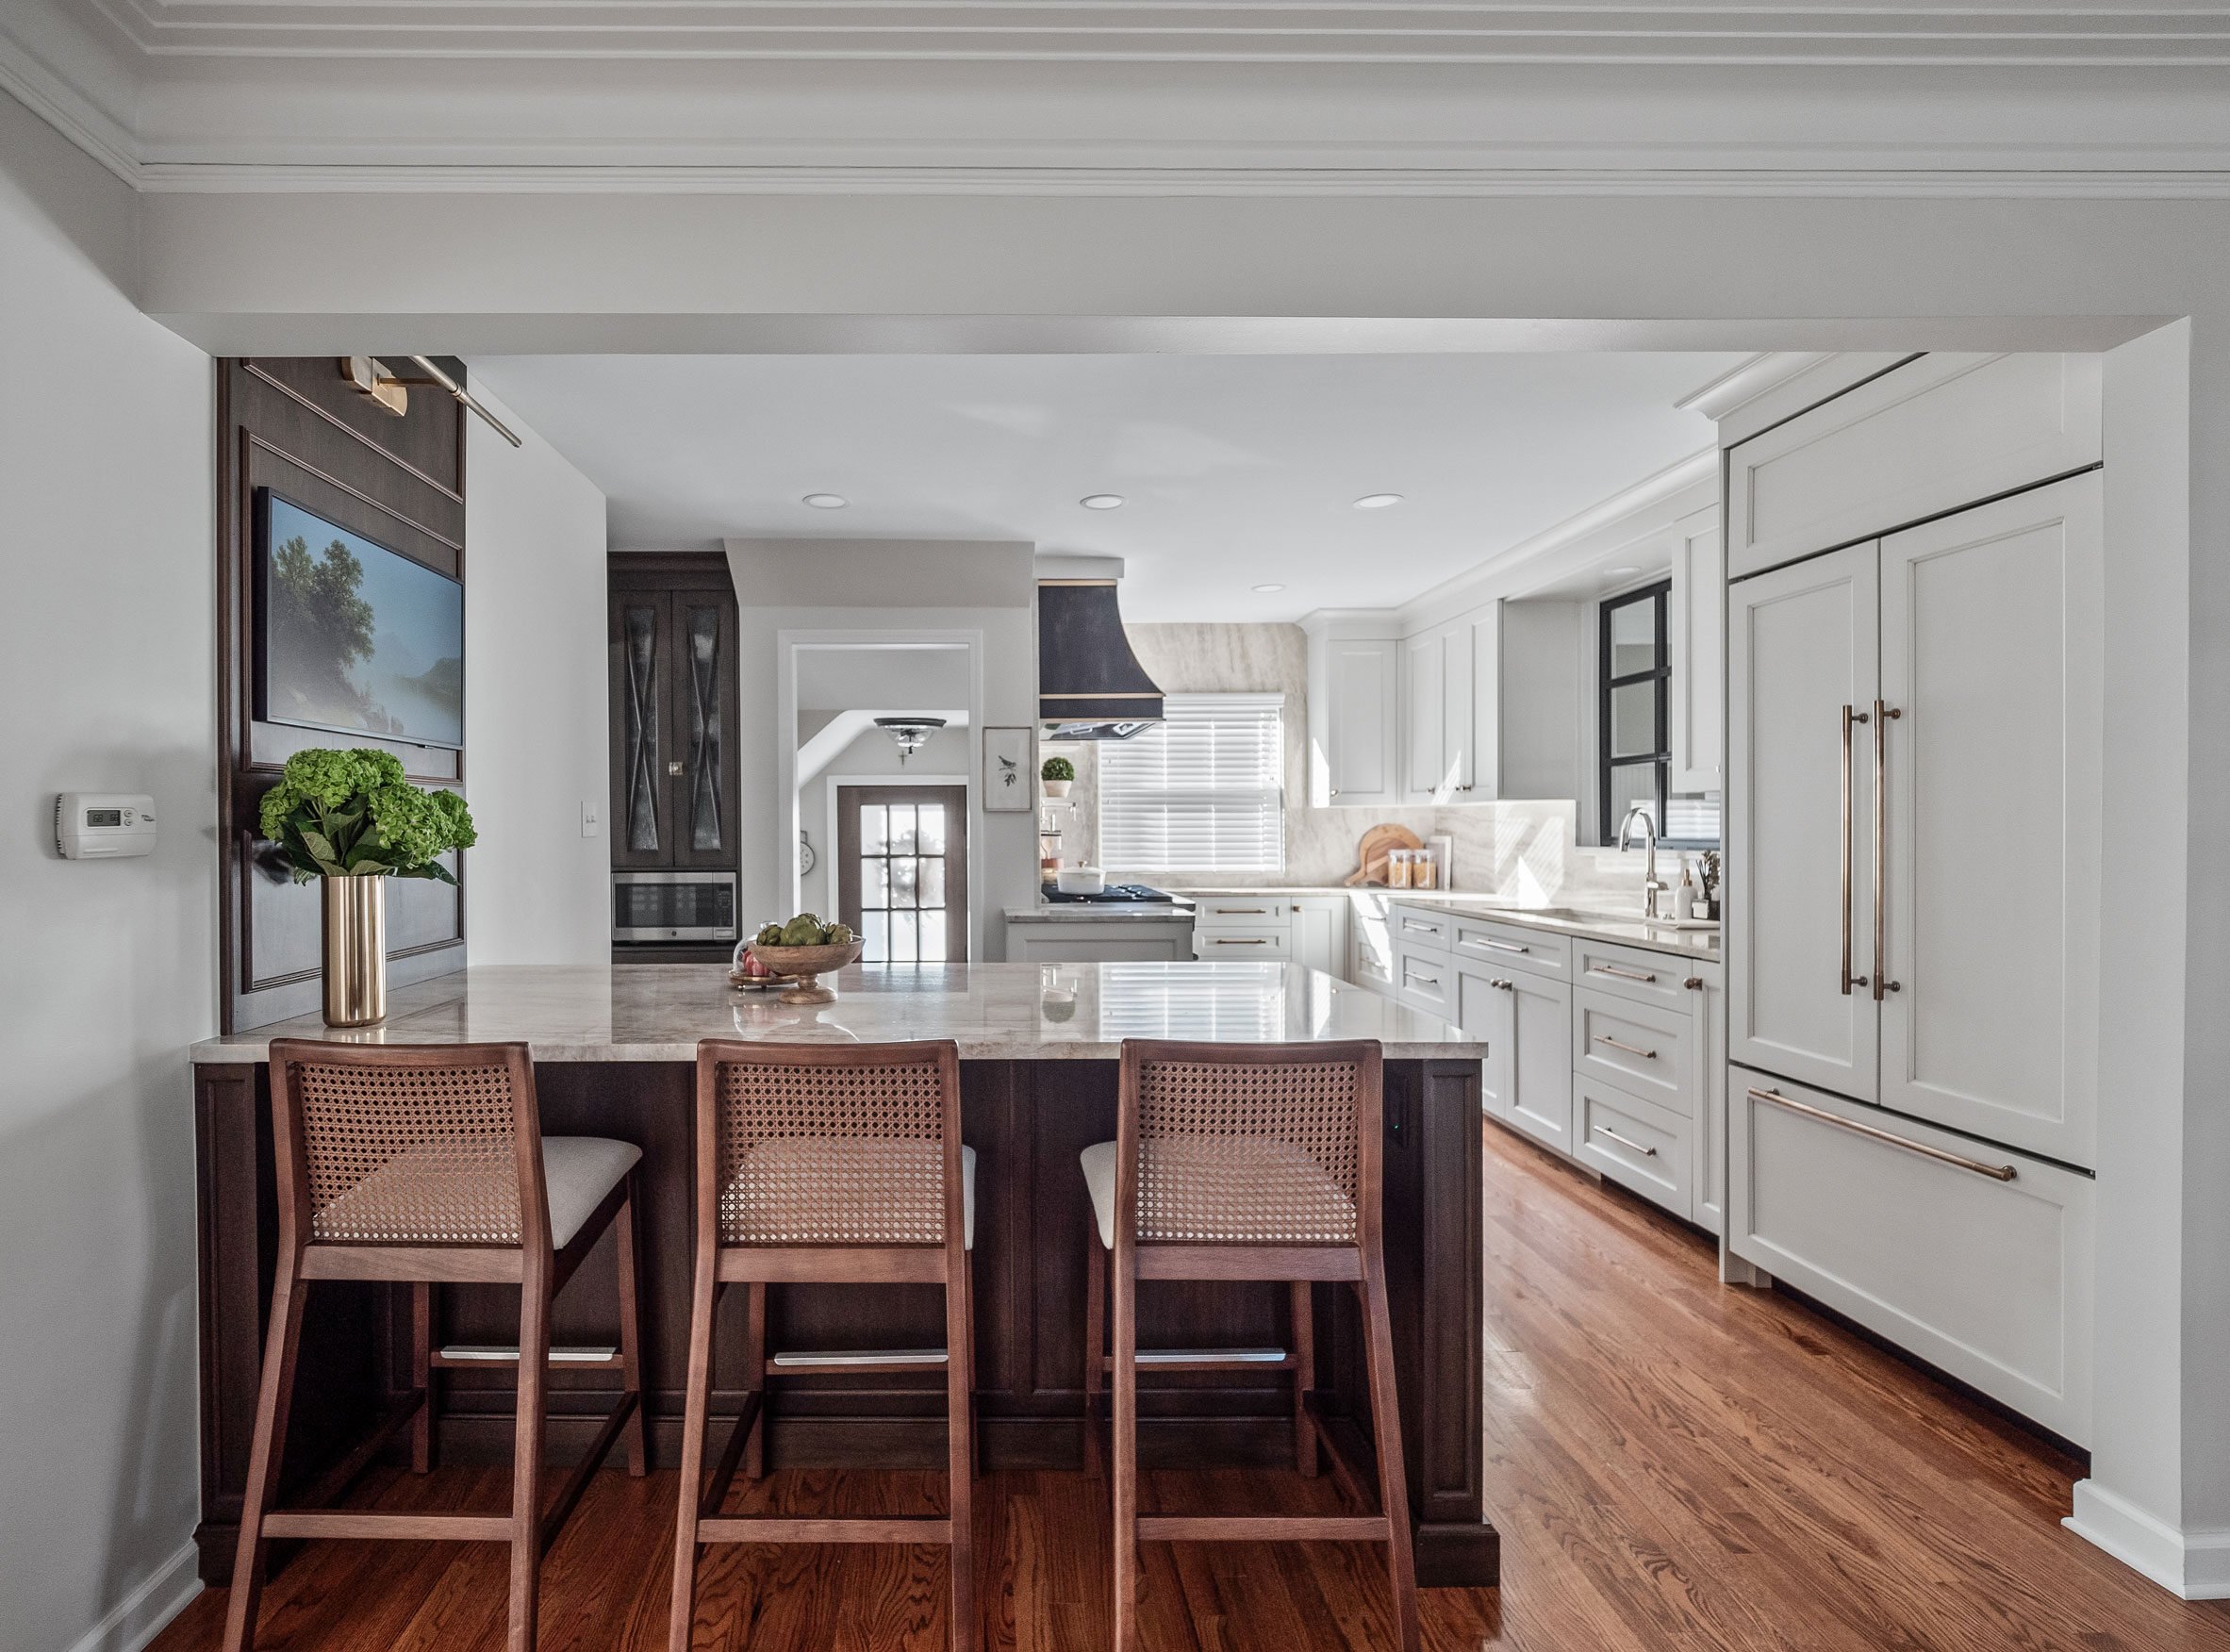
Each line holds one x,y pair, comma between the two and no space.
806,948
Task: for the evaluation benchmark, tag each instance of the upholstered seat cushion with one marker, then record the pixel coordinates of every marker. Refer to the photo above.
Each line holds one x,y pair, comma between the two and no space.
579,1171
1225,1188
849,1190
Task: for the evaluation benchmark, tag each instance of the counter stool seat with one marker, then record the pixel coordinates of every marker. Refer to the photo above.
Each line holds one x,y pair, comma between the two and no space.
847,1180
426,1165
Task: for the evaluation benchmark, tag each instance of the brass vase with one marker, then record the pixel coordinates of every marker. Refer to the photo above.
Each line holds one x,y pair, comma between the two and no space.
355,951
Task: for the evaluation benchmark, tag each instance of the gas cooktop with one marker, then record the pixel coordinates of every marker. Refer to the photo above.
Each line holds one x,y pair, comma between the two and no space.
1113,895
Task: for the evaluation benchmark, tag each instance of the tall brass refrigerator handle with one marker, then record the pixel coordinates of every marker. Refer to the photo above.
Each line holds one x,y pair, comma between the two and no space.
1883,985
1851,714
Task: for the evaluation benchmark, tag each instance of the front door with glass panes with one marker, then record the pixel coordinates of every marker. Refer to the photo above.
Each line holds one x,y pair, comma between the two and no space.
901,872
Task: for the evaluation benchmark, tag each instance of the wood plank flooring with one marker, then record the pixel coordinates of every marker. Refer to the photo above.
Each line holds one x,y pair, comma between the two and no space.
1672,1464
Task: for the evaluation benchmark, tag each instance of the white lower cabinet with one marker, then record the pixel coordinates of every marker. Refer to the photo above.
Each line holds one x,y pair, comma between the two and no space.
1526,1021
1320,932
1635,1143
1974,1257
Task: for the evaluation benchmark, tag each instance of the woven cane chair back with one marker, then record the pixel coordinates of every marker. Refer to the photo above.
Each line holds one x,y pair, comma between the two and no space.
404,1150
814,1151
1241,1152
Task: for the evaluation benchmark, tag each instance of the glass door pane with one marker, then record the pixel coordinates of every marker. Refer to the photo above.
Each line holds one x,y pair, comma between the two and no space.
902,877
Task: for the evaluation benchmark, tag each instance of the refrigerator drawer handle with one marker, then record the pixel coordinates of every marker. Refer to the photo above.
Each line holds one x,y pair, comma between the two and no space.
1996,1172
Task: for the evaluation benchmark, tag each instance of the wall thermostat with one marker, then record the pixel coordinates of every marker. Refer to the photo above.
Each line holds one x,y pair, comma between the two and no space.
104,825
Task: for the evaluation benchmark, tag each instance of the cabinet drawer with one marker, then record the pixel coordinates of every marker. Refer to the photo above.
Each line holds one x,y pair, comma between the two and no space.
1635,1143
1639,1047
1922,1236
1425,979
1233,943
1926,438
1420,926
1628,972
1249,913
1505,946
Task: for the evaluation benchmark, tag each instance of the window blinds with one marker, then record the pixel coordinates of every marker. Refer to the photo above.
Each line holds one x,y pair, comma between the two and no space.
1200,793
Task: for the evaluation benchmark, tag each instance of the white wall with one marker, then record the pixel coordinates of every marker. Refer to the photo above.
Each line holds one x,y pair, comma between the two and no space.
888,584
107,669
536,890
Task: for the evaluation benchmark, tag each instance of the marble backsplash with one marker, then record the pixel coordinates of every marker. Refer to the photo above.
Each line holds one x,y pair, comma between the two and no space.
1516,851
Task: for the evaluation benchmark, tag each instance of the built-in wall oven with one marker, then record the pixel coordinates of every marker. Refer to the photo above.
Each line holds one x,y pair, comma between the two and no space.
673,906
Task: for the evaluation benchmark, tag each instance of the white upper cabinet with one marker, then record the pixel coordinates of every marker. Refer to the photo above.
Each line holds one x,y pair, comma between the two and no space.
1802,673
1993,651
1694,631
1354,721
1438,712
1936,433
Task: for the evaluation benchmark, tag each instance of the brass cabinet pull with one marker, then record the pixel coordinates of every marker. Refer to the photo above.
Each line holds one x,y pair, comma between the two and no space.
1630,1049
1493,946
1851,714
1242,911
1693,983
1425,980
1415,927
1882,983
1503,984
1614,970
1996,1172
1238,941
1605,1130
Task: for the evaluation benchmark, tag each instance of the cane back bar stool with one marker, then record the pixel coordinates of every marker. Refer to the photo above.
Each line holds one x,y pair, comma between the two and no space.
425,1165
830,1165
1248,1161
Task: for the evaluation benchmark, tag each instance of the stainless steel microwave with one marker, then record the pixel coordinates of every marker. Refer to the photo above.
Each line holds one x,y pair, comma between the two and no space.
673,906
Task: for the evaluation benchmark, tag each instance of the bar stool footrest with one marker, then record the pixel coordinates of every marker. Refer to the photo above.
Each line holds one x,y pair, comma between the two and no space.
358,1523
787,1528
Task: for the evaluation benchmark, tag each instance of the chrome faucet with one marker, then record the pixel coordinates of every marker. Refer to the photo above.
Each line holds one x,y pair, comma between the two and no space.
1651,885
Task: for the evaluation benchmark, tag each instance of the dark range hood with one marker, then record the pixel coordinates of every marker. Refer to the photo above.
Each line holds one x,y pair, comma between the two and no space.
1090,686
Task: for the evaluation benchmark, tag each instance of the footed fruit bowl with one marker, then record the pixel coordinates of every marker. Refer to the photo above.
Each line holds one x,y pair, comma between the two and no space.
806,963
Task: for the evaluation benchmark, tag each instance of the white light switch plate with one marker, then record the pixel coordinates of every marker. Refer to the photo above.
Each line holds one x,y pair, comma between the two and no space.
591,822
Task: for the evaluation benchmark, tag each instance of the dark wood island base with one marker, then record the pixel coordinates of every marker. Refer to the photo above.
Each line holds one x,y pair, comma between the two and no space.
1027,1120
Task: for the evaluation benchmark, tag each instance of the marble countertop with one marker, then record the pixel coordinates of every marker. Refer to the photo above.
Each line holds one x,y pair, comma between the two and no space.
994,1012
1096,912
1701,945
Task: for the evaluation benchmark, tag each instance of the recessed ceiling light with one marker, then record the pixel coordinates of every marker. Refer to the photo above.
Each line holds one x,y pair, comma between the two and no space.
1100,500
827,501
1266,590
1376,501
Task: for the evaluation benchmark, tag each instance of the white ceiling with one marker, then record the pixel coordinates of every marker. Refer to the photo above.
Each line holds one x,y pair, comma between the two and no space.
1237,470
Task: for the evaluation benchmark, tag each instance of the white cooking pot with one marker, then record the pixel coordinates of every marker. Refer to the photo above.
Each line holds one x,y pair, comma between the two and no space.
1080,880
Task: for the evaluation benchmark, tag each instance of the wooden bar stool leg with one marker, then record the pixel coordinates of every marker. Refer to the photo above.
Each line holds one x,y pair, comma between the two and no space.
421,1376
1394,1498
273,1401
526,1468
968,1295
960,1458
1126,1451
631,1369
1304,1374
1095,1352
754,1371
696,1402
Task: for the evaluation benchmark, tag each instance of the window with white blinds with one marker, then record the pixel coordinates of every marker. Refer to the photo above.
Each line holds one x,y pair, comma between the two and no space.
1202,792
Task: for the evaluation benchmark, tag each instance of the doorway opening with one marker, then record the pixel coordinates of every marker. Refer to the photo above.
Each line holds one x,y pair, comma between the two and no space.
901,872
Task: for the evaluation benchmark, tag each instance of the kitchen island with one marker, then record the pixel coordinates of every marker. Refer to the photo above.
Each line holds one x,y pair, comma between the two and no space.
613,1050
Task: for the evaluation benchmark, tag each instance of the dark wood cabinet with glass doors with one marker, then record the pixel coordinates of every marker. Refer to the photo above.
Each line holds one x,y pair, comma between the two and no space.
673,713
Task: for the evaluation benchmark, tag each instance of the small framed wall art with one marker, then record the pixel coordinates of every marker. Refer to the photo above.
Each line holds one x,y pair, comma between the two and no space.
1006,770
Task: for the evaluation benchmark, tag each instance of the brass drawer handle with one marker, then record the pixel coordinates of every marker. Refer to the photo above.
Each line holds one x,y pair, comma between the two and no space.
1415,927
1614,970
1237,941
1425,980
1996,1172
1242,911
1494,945
1630,1049
1636,1147
1504,986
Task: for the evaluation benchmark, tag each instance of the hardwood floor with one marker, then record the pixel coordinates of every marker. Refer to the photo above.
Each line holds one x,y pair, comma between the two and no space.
1672,1464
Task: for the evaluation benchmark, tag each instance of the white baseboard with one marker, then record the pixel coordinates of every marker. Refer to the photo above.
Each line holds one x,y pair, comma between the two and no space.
2193,1564
142,1614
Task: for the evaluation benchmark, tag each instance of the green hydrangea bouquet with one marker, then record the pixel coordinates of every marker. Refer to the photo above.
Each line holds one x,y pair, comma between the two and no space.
352,815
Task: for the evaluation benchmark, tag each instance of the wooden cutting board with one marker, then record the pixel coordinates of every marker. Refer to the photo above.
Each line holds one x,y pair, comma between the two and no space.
1377,844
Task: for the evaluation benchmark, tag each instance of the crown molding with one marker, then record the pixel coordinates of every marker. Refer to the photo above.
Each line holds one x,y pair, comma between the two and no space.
35,76
1462,31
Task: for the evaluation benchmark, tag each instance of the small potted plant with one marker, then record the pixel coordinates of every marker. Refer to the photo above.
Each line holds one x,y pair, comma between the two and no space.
1056,774
351,819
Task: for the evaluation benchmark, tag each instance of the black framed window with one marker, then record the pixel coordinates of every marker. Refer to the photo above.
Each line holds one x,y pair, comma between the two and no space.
1633,714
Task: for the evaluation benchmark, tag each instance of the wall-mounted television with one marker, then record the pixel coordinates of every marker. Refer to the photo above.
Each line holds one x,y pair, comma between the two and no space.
351,636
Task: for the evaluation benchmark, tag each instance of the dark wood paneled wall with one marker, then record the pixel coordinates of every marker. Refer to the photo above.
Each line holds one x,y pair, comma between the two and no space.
296,424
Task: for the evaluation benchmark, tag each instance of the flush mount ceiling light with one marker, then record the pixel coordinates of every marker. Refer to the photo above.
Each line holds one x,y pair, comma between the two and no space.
1100,500
1376,501
1620,572
827,501
1266,590
910,733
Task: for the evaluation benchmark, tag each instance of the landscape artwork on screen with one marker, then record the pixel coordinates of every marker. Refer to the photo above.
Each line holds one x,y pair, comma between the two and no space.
354,637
